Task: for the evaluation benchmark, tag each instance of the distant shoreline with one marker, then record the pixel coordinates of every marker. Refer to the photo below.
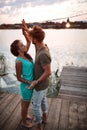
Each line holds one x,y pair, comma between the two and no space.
49,25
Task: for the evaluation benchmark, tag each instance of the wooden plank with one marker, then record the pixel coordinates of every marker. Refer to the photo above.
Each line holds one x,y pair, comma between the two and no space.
73,90
8,111
74,68
49,103
6,102
73,116
14,120
53,116
74,71
82,115
74,84
64,115
83,82
3,97
72,97
75,74
74,78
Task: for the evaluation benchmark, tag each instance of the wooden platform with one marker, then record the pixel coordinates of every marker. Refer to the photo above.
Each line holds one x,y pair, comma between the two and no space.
66,112
62,114
74,83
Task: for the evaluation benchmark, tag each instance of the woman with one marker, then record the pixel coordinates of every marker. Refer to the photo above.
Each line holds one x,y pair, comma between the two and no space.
24,71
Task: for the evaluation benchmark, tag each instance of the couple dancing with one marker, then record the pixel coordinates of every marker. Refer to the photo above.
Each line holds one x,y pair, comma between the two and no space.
33,77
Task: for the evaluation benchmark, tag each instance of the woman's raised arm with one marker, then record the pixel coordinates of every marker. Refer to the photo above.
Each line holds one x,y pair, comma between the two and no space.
25,32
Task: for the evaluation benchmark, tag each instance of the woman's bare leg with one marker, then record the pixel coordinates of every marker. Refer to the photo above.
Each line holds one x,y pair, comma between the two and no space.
24,111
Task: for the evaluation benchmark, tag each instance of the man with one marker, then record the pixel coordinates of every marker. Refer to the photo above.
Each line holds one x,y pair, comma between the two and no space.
42,72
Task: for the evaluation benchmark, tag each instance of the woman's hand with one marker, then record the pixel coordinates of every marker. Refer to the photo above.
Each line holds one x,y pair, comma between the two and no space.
25,32
24,27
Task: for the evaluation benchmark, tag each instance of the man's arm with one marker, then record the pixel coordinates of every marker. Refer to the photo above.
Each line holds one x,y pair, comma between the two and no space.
46,74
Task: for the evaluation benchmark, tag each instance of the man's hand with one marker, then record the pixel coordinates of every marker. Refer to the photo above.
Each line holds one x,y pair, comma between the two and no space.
32,84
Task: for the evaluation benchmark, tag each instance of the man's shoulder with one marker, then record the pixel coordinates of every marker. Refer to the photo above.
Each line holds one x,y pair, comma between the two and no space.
45,53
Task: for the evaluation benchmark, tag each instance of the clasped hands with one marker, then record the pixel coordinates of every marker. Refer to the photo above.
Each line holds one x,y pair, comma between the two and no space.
33,83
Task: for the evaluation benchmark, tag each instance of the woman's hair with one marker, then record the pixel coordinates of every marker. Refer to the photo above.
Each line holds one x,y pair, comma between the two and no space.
14,48
37,33
28,56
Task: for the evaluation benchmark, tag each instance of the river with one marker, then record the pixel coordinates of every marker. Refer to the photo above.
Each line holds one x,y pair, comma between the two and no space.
67,46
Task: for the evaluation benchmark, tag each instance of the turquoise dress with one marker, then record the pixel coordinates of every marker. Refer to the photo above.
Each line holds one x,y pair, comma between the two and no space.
27,74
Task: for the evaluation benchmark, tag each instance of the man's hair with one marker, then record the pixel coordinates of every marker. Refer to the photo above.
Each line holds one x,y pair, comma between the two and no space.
37,33
14,48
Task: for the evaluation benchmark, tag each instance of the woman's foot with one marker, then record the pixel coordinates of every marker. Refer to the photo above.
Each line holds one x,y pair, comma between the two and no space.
28,125
29,117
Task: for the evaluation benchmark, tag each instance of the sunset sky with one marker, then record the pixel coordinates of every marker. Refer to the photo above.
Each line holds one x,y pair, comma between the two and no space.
13,11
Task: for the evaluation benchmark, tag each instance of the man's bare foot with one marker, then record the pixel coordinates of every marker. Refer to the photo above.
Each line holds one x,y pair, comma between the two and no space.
44,118
28,125
39,127
44,122
29,117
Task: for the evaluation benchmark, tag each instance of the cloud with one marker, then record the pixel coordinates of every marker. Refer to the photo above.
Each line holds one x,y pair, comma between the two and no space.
44,2
9,5
33,10
82,1
6,1
31,2
5,9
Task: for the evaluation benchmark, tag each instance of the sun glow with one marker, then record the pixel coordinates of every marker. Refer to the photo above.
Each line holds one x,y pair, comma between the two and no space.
68,25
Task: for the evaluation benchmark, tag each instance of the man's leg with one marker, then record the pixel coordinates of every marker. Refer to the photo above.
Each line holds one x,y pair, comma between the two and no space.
36,106
44,107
